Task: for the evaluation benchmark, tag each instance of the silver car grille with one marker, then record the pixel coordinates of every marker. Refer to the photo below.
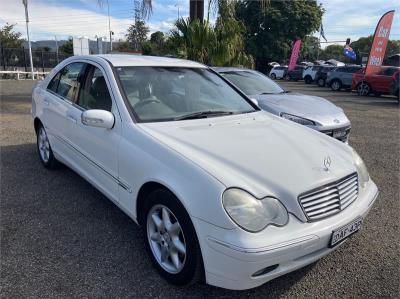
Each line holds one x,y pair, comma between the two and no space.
329,199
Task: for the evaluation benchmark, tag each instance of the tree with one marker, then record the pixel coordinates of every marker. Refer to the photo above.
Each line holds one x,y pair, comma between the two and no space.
67,47
137,34
333,52
310,48
270,32
9,38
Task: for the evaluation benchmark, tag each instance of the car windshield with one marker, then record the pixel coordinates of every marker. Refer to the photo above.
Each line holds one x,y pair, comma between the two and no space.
177,93
253,83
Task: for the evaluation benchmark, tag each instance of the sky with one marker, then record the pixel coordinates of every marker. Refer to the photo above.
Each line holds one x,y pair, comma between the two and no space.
63,18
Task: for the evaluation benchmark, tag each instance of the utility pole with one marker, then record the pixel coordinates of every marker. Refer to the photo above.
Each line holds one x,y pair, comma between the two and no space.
109,25
25,2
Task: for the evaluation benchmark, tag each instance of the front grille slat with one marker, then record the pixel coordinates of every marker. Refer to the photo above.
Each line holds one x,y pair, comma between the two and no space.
329,199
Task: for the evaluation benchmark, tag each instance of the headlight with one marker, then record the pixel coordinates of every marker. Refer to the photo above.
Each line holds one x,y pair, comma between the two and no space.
253,214
361,169
298,119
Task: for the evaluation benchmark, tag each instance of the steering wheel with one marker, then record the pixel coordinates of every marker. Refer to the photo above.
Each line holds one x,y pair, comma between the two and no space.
145,102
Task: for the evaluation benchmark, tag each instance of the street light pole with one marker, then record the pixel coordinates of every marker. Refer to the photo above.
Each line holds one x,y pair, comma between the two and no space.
109,25
25,2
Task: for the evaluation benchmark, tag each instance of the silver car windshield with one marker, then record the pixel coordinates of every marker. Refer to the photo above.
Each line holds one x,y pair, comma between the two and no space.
178,93
253,83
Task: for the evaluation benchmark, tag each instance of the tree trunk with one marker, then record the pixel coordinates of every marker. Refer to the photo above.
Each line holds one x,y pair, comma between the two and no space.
196,10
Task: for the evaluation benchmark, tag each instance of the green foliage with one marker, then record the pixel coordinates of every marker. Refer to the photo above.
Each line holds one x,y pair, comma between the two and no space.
218,45
362,46
67,47
270,32
310,48
9,38
137,34
333,52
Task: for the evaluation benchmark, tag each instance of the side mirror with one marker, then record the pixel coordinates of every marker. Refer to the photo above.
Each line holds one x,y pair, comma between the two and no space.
255,101
98,118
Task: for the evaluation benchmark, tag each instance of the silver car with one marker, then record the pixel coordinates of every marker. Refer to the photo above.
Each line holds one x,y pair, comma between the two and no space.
314,112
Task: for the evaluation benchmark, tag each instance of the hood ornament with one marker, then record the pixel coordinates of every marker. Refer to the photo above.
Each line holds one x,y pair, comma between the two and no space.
327,163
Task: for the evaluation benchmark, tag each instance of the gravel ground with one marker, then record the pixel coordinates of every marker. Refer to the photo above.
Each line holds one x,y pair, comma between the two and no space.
60,238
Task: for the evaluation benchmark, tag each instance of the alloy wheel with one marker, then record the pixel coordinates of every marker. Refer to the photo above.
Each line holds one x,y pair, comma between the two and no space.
363,89
166,239
43,145
335,85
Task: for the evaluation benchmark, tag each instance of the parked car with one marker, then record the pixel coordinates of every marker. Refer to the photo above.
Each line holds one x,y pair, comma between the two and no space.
314,112
341,77
394,89
310,72
322,74
379,83
278,72
222,190
295,74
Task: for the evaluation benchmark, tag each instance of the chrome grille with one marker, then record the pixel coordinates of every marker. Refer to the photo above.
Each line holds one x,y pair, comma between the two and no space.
329,199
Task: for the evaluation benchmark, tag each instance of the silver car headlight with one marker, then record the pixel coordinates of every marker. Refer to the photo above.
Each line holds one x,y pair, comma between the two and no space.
362,171
298,119
253,214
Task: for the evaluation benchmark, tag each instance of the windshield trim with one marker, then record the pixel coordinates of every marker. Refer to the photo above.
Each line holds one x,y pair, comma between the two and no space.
136,119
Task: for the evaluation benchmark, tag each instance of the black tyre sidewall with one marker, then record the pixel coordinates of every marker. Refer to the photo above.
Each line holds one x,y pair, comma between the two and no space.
336,81
273,76
307,80
193,268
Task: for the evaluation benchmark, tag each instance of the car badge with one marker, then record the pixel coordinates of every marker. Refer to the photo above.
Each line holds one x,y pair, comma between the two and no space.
327,163
336,121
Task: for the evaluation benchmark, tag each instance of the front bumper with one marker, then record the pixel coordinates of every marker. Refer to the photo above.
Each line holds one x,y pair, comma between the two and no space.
232,257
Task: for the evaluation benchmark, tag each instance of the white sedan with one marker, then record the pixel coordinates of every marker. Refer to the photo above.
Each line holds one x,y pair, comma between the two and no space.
224,191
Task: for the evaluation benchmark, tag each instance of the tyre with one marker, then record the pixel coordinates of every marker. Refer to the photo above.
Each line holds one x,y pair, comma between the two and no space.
45,152
336,85
287,77
273,76
321,82
307,79
363,89
171,239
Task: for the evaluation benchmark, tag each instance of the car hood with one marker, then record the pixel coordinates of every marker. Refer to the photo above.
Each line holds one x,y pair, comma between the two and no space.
258,152
314,108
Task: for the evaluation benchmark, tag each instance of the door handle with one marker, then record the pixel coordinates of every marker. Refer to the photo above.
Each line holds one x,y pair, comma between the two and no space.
72,119
46,102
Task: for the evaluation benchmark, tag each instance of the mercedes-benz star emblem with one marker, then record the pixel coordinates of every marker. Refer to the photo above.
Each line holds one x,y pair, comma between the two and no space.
327,163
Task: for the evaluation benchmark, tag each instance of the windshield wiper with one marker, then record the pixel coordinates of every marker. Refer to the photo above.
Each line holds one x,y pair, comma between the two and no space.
267,93
203,114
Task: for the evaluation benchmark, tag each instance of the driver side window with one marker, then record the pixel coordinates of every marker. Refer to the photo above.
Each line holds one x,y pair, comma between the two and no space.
94,93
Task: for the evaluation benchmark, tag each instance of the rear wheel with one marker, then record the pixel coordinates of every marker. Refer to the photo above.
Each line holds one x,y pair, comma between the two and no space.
321,82
363,89
46,155
307,79
287,77
273,76
336,85
171,239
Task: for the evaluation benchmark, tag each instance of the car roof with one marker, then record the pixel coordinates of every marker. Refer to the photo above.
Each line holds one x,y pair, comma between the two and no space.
142,60
230,69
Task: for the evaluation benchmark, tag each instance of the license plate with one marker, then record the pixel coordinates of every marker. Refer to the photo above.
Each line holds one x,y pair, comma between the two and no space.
342,233
339,134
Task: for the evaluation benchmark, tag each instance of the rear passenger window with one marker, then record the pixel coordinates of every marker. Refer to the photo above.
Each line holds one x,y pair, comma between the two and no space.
94,93
54,83
69,81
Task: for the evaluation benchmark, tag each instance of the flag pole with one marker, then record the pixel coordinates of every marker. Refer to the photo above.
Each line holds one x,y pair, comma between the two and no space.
25,2
319,39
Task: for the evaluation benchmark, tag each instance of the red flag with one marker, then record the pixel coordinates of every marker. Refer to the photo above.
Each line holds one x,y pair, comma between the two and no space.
379,43
295,54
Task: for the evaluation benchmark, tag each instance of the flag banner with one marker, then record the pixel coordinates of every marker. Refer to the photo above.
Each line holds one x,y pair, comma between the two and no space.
349,52
295,54
323,33
379,43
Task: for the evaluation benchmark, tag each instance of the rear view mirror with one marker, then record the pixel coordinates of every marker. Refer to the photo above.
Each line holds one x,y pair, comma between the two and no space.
98,118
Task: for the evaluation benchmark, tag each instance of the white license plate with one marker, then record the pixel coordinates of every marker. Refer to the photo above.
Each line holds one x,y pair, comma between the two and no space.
339,134
345,231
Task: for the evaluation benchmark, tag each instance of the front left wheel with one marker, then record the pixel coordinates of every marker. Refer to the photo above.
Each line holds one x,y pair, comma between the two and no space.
46,155
171,239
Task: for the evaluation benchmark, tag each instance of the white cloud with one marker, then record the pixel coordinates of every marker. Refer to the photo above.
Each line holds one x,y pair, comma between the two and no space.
50,19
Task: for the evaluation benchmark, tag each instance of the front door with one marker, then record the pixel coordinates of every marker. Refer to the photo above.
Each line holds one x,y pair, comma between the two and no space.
96,148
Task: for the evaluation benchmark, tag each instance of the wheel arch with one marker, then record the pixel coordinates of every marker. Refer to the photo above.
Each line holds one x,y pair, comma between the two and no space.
36,123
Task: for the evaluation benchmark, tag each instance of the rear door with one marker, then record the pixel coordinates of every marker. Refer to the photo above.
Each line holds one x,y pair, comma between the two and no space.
96,148
381,82
60,94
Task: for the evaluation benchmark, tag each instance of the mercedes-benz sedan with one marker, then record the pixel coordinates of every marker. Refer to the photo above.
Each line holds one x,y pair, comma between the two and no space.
223,191
314,112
